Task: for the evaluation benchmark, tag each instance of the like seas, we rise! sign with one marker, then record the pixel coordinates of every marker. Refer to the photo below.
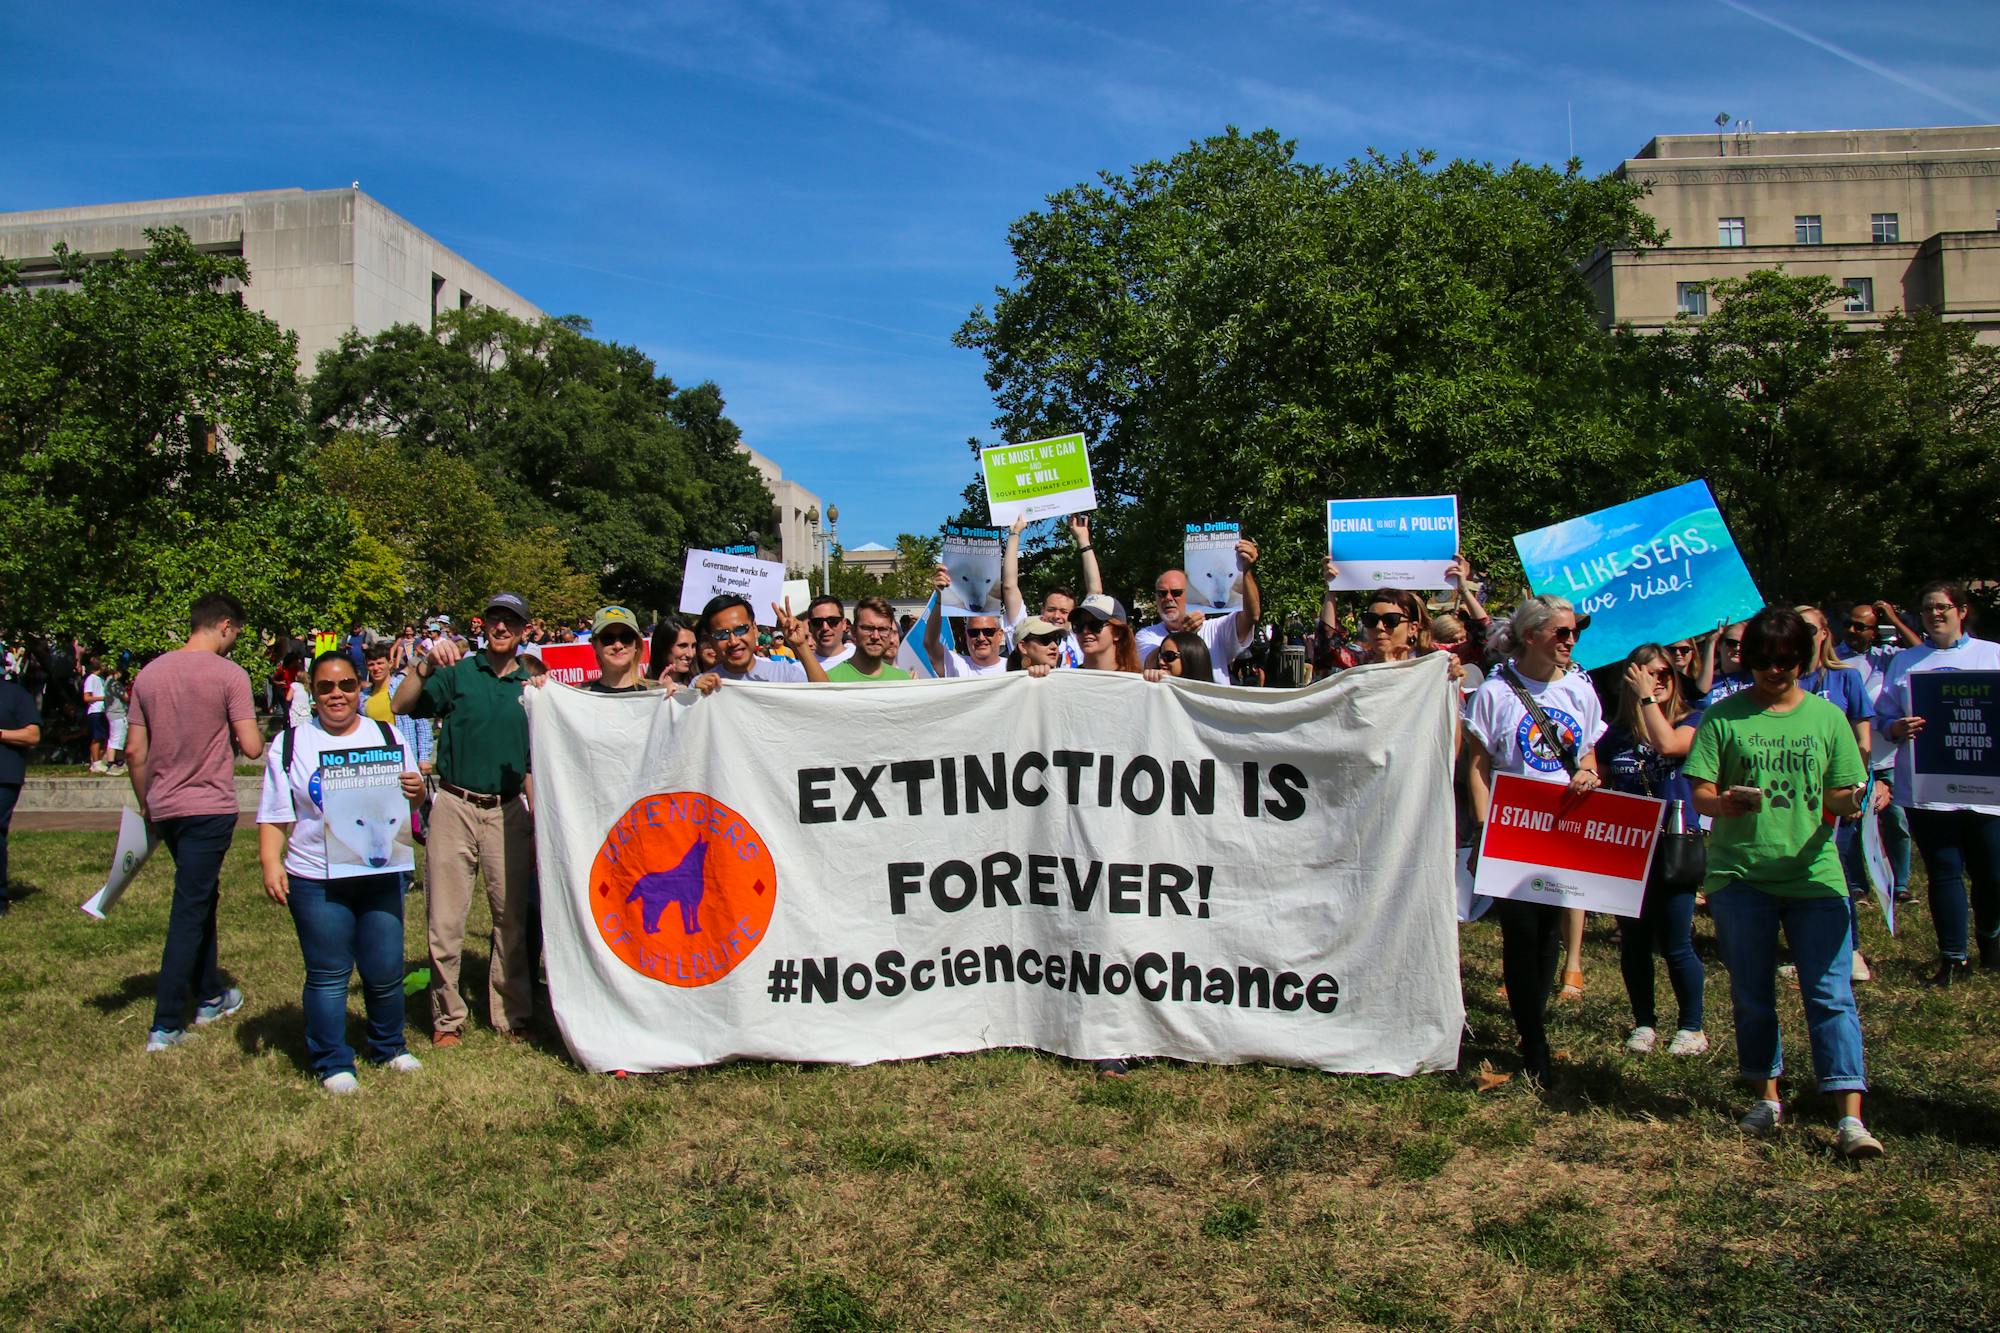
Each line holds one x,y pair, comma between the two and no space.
1653,570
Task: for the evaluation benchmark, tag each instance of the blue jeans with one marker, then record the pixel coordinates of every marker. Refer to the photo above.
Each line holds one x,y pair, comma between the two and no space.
1961,850
1746,928
1665,923
187,963
342,924
1896,842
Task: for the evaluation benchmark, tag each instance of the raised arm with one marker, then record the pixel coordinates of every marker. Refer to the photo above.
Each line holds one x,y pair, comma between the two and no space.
794,631
1910,636
933,636
1010,573
1253,600
1079,531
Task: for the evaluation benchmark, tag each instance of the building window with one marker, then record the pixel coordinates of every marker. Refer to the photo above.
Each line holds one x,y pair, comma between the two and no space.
1692,297
1805,229
1860,295
1882,228
1729,231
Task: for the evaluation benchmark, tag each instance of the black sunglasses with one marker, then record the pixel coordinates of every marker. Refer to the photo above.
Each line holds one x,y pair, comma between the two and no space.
1086,624
347,685
613,640
824,622
1389,620
1046,640
1563,634
980,632
1168,656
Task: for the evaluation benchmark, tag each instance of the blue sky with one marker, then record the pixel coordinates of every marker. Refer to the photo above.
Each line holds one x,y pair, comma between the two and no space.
802,201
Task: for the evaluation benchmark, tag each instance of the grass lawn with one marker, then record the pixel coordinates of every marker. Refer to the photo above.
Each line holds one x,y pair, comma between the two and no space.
217,1186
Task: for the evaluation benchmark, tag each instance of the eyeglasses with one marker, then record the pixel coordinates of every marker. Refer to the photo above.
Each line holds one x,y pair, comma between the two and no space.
1856,627
1168,657
1085,624
1776,664
618,640
1046,640
1732,643
720,634
824,622
1939,608
875,631
1389,620
1170,593
1681,650
1662,674
1563,634
345,685
980,632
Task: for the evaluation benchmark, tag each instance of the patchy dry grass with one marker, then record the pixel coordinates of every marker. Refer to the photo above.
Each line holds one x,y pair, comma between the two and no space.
216,1187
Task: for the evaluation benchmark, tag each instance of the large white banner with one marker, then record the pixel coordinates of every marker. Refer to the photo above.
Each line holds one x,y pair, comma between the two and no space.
1087,863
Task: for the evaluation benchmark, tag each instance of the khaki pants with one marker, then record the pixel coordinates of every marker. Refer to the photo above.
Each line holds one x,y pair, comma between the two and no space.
498,843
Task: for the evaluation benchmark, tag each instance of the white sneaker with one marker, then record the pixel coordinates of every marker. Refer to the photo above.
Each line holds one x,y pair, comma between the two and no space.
1762,1118
99,766
1641,1041
342,1084
1856,1141
1687,1042
1860,970
405,1064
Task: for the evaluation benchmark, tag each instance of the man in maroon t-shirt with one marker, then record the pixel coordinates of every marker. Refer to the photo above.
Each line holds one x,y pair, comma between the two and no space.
187,708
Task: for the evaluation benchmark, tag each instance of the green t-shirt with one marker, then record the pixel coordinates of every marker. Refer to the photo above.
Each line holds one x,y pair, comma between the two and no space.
1786,848
483,746
846,672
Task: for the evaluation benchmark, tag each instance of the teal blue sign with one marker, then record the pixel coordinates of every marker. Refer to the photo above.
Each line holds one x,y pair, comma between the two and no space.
1653,570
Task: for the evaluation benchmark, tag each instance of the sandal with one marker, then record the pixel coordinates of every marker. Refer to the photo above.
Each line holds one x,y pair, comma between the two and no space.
1572,986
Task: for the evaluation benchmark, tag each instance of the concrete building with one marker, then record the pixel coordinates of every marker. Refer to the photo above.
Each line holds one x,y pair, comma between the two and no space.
790,503
871,558
1902,218
322,262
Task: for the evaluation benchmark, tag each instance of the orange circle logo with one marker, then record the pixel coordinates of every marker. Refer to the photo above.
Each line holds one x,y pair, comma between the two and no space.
682,888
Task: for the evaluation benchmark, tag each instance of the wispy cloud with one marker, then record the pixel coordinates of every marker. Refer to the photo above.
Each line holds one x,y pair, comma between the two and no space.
1860,61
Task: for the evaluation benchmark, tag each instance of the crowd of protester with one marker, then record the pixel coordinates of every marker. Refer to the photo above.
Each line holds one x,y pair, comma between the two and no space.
1692,723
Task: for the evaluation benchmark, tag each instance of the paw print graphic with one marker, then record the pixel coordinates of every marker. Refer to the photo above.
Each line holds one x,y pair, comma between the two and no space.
1784,794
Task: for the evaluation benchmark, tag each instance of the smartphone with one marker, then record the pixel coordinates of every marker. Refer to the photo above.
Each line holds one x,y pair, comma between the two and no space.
1753,796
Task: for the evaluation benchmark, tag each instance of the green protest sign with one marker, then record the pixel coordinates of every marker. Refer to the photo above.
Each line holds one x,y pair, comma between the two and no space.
1038,478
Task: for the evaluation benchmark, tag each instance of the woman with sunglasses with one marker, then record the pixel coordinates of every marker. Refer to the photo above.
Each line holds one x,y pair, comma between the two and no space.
1183,653
1038,646
1771,765
341,922
614,638
1103,635
1959,840
1503,736
1641,753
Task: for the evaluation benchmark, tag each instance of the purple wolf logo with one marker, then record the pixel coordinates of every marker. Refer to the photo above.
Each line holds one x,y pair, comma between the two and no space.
682,884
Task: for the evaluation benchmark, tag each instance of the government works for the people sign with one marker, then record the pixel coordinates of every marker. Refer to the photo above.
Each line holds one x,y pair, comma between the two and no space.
1089,864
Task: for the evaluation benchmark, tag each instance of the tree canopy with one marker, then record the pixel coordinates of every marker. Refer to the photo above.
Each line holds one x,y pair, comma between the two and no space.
153,448
572,438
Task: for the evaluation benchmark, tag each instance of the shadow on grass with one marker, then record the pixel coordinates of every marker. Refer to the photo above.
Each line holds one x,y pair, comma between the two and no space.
282,1030
139,986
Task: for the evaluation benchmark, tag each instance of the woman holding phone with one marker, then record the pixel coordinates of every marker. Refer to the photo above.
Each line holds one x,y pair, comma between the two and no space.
1773,765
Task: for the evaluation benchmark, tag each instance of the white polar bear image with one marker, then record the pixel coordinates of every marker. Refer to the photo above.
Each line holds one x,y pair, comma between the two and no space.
368,828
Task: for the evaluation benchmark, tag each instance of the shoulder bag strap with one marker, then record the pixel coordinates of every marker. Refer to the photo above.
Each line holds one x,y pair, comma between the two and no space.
1567,754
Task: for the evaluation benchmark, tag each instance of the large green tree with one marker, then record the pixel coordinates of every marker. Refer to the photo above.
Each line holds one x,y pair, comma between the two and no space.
152,448
1242,335
565,432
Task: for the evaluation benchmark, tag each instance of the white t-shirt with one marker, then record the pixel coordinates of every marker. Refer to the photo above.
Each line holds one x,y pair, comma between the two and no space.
1224,635
957,664
776,670
298,703
295,798
1502,725
1893,703
829,663
94,684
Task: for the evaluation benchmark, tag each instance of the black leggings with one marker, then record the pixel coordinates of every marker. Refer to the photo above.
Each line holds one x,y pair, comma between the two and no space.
1530,954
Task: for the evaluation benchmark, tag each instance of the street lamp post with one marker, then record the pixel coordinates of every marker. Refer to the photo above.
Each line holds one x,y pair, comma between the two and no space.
825,542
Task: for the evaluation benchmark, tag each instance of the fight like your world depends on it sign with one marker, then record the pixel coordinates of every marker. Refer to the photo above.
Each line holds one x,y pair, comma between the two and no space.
1653,570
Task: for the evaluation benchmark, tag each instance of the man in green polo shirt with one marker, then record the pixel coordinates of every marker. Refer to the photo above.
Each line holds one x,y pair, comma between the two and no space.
874,645
480,824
